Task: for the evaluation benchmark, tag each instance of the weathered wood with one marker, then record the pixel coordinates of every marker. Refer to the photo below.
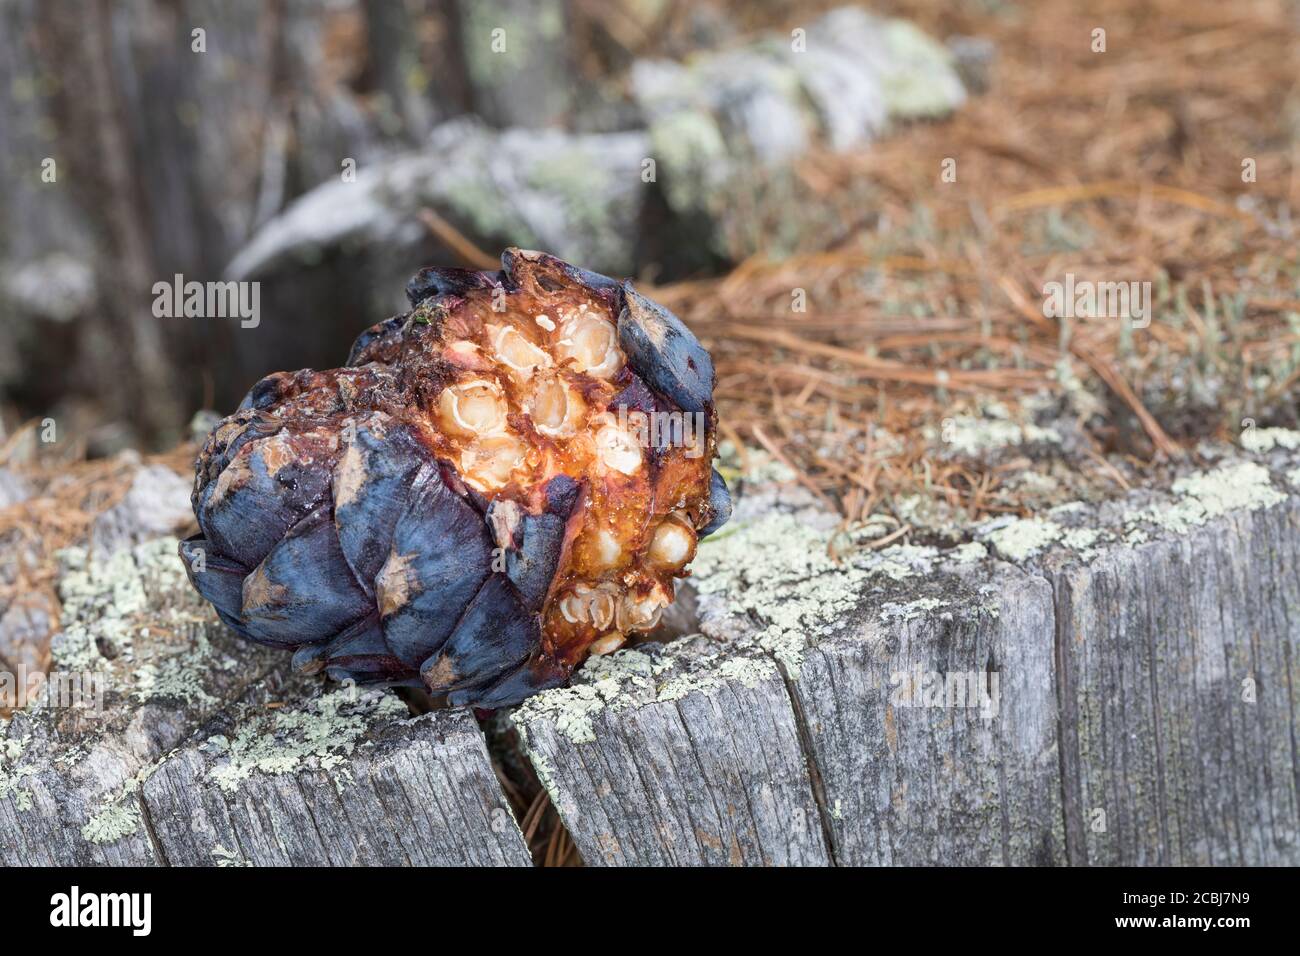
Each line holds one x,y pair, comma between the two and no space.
1146,689
675,755
893,784
342,779
132,628
1180,673
920,784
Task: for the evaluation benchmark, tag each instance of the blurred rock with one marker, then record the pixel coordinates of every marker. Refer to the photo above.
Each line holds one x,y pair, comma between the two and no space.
202,423
25,630
713,125
974,58
13,488
158,503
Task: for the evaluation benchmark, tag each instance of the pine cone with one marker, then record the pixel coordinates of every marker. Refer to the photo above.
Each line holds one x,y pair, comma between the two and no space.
499,482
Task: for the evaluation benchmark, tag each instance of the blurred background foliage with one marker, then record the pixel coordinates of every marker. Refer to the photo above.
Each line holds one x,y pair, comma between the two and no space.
170,159
775,171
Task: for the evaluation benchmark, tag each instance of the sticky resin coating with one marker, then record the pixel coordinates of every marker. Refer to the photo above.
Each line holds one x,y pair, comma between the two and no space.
500,482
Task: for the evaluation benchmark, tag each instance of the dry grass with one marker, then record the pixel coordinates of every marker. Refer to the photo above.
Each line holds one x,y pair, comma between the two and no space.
1116,166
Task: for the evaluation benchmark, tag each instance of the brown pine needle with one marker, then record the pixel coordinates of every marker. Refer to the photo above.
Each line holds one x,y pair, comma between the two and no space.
457,241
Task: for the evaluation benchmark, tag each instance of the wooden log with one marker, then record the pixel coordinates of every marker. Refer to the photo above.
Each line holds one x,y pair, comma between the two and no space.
893,782
139,661
345,778
1179,683
909,777
1142,711
674,755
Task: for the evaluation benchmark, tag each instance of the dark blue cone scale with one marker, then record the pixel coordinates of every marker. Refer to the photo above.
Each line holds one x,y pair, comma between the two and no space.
441,555
496,633
370,487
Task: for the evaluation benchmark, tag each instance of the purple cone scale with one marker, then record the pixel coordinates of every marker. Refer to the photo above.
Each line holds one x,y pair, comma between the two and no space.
501,481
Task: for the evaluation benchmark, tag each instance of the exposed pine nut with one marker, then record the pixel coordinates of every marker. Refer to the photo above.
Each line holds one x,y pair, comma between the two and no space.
471,409
591,343
673,543
608,644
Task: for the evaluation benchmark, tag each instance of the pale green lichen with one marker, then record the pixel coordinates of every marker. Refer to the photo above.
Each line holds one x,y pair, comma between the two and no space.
1210,494
690,147
541,766
748,671
323,732
71,757
756,466
1293,476
679,687
971,436
112,823
778,572
178,676
1197,498
99,599
969,552
228,858
114,623
932,513
479,203
626,677
1081,539
571,709
1260,440
911,610
899,562
103,601
803,588
920,80
579,179
119,813
1023,538
11,775
604,680
1035,483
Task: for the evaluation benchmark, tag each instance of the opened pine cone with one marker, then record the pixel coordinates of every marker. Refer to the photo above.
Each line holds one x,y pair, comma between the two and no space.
499,482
